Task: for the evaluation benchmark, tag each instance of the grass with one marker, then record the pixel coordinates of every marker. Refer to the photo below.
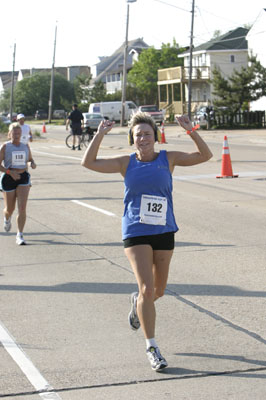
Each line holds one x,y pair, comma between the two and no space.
40,122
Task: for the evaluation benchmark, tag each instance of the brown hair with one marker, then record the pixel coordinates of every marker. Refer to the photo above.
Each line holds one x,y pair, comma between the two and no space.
14,125
142,118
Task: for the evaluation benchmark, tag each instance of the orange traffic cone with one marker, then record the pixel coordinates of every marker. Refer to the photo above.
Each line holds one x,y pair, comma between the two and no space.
226,171
44,128
162,134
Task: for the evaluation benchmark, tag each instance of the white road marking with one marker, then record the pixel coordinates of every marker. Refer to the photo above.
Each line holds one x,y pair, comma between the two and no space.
208,176
178,178
55,155
94,208
26,366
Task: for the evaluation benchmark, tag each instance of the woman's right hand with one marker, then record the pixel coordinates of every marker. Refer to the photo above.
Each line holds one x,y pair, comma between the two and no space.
14,175
105,126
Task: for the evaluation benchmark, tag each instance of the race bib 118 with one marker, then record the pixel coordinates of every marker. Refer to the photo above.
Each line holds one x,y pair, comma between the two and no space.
18,158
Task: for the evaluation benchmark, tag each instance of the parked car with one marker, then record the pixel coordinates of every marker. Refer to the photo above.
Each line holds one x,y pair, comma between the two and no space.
153,110
40,114
14,116
59,114
91,121
202,114
5,120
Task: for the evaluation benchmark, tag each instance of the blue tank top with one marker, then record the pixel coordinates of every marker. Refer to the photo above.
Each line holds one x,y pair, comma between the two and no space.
16,156
148,198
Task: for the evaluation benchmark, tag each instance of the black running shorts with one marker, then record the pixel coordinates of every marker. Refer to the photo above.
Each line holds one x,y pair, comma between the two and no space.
164,241
8,184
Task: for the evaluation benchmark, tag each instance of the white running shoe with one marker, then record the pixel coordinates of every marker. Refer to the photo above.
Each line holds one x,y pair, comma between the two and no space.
7,224
20,239
133,318
156,359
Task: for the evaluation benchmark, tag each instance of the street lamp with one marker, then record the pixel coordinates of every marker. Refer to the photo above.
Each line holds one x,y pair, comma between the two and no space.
123,100
50,103
190,61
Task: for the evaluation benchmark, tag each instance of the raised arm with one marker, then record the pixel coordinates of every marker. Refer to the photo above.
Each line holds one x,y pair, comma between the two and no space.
105,165
186,159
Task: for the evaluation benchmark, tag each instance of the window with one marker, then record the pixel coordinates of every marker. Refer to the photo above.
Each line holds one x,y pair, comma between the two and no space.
232,58
177,93
163,93
131,106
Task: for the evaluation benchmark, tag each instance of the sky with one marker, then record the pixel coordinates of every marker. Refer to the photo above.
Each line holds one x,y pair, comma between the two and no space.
93,28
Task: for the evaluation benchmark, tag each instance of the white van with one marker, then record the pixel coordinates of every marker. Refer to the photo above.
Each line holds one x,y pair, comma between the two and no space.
112,109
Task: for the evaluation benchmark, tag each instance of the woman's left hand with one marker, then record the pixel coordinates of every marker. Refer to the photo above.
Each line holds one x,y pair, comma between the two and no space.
33,165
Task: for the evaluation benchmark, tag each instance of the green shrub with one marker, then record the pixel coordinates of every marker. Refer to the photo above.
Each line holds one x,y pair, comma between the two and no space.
3,127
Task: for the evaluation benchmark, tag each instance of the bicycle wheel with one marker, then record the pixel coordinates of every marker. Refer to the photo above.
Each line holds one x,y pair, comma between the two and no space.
85,139
69,141
82,142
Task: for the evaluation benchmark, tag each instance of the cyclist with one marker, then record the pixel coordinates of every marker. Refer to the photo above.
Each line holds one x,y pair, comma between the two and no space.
76,122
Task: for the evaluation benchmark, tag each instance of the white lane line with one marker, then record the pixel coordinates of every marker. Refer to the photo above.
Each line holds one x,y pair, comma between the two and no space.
55,155
178,178
26,366
207,176
193,177
94,208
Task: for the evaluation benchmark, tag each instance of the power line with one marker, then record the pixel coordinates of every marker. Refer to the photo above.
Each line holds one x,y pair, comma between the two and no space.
172,5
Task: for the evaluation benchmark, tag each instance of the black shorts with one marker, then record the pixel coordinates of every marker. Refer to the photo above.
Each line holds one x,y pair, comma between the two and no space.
8,184
76,129
164,241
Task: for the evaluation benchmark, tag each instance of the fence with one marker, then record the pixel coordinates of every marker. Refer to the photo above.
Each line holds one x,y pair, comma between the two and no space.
243,119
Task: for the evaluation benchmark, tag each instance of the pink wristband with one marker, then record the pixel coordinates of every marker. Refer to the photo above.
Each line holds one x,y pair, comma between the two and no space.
193,129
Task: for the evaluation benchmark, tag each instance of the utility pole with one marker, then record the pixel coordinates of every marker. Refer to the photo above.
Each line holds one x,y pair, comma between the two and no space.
190,61
12,84
50,104
124,87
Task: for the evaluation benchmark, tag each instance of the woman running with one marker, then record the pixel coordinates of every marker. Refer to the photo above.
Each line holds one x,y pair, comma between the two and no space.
15,180
148,223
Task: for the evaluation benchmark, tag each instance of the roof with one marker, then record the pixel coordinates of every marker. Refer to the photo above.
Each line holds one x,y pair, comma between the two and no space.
109,64
232,40
6,78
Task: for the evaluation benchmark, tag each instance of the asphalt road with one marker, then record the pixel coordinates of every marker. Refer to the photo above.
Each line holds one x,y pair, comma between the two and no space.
64,298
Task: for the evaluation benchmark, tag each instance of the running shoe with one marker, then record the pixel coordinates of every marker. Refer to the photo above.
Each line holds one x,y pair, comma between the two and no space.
7,224
20,239
133,318
156,359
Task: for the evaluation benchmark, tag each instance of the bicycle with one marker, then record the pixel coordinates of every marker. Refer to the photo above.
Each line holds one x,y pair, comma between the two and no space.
85,139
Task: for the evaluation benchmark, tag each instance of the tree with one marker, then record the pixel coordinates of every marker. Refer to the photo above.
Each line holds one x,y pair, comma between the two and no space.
241,88
143,75
32,93
81,88
97,93
216,34
5,100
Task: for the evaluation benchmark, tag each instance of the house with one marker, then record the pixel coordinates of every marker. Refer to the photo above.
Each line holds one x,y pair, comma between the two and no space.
256,38
69,73
6,80
110,69
228,52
